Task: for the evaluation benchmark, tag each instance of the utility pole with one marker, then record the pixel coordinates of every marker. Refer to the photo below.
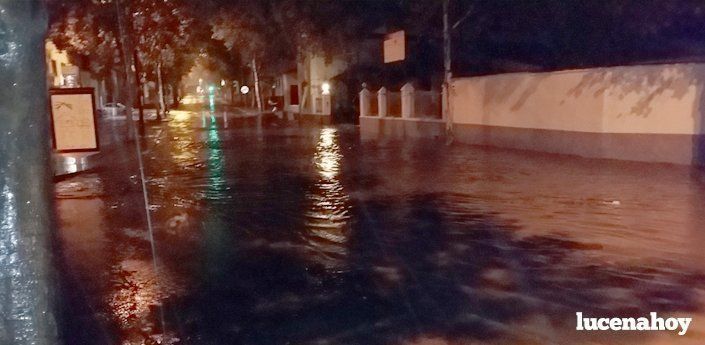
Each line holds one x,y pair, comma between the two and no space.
26,275
447,114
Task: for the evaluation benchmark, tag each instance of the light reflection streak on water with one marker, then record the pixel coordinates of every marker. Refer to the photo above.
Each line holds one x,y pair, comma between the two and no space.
9,241
211,104
184,150
139,289
180,116
327,215
217,232
217,185
9,216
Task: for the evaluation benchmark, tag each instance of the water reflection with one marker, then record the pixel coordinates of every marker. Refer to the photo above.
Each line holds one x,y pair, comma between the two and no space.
327,156
107,250
183,149
138,290
137,298
217,185
311,237
327,216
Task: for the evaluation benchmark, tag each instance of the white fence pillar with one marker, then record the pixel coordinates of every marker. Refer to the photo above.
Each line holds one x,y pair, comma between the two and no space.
407,101
382,102
364,102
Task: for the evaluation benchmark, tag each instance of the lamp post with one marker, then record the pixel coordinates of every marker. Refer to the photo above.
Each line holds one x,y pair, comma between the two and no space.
447,74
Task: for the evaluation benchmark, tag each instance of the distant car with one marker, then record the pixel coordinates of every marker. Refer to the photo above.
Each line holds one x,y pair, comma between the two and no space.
113,110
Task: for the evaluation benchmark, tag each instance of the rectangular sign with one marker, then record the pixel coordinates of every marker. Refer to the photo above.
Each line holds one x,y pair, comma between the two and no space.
395,47
73,119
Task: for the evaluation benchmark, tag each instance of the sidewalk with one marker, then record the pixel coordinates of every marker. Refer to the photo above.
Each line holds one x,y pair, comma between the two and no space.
101,229
111,131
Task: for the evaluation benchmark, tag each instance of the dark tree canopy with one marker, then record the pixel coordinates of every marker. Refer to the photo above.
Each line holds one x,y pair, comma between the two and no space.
88,32
487,36
506,35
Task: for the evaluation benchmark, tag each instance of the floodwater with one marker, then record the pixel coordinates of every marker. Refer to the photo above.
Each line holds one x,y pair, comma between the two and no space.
276,233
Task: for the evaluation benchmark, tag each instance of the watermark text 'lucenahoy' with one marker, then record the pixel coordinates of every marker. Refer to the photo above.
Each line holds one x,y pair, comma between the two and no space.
652,323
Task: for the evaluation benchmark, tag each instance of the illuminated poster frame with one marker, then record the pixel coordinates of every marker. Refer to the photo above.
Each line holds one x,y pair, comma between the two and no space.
74,125
394,47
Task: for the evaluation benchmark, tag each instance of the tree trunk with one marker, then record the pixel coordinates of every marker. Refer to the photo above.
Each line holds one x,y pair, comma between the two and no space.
103,92
26,315
113,86
138,84
175,94
123,82
257,92
160,92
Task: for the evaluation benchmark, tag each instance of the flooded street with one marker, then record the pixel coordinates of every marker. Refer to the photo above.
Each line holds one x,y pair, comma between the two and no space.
277,233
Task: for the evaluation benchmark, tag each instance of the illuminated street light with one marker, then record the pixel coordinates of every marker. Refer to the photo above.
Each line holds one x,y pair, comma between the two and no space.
325,88
244,89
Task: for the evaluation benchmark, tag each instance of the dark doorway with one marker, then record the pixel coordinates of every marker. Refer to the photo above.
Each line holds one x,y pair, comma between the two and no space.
294,94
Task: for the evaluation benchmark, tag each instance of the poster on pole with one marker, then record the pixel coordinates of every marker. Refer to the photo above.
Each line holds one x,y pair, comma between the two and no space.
73,120
395,47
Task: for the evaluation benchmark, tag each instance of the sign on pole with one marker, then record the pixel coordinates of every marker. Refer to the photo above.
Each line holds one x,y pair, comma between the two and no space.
73,120
395,47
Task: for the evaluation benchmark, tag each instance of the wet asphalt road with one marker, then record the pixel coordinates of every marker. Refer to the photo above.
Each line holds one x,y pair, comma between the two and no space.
276,233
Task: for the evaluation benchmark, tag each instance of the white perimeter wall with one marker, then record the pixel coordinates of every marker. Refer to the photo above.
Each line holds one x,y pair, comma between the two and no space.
665,99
